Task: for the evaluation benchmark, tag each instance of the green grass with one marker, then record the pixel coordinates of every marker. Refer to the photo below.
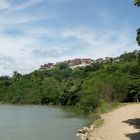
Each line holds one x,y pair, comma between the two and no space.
105,107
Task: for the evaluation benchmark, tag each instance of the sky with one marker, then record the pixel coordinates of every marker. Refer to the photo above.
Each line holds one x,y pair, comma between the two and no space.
35,32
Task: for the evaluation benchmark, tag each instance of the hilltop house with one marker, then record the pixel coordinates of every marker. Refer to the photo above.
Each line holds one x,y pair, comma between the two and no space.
117,59
46,66
77,62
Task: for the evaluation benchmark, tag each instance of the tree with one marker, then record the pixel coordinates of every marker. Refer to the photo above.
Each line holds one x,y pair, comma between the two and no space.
50,91
16,76
62,65
91,94
137,3
71,92
138,36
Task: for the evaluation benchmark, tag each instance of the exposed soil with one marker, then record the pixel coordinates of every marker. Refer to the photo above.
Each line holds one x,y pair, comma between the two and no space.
120,124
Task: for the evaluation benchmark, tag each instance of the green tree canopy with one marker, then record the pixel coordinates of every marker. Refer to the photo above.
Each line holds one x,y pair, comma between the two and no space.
138,36
16,76
137,2
51,89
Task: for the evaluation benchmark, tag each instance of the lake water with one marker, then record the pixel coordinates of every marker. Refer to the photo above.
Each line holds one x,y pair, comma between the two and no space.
37,123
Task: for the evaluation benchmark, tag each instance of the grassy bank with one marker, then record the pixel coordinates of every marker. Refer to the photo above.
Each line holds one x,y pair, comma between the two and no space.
95,117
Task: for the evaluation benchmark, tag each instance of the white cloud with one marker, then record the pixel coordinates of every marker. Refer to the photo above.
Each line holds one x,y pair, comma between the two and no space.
27,4
21,19
4,5
14,14
26,42
37,45
52,53
9,7
29,51
6,64
104,43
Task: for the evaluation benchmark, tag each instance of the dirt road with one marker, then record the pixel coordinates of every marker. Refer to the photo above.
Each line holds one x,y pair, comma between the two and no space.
120,124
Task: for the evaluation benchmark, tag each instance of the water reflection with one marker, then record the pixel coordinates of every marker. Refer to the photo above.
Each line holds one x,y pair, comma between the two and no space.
37,123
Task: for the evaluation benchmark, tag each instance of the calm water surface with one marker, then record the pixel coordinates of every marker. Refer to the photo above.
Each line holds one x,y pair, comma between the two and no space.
37,123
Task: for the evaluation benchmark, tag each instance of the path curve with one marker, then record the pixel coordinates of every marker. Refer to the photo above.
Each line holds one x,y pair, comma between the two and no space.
120,124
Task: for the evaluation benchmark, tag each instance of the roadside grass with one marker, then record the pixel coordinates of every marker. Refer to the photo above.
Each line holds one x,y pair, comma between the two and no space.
105,107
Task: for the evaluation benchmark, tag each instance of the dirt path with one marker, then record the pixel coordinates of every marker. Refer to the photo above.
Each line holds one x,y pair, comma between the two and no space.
121,124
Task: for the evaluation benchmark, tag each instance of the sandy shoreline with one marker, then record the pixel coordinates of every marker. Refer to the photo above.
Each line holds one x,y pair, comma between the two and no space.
121,124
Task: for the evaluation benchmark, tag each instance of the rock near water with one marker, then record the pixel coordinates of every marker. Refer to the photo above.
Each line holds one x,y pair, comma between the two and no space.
85,133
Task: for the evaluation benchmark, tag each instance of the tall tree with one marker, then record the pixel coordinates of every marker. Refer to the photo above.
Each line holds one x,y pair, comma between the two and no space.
137,3
138,36
16,76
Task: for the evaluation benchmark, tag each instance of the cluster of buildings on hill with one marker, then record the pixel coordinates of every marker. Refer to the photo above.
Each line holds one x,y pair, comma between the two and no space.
46,66
107,59
78,62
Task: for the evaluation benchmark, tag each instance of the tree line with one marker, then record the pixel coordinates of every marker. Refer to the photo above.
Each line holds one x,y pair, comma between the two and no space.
83,88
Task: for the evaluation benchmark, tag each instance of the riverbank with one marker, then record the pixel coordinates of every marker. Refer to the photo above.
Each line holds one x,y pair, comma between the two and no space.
95,118
120,124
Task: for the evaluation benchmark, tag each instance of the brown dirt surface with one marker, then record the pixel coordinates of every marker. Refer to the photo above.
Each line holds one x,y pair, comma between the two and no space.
121,124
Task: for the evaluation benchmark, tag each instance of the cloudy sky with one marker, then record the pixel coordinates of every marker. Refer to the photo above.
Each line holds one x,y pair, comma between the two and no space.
34,32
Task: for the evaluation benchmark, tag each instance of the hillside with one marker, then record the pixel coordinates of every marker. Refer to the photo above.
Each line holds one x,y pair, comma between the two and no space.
84,88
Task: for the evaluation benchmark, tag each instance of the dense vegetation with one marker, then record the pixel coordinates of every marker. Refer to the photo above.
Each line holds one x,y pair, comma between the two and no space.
84,88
